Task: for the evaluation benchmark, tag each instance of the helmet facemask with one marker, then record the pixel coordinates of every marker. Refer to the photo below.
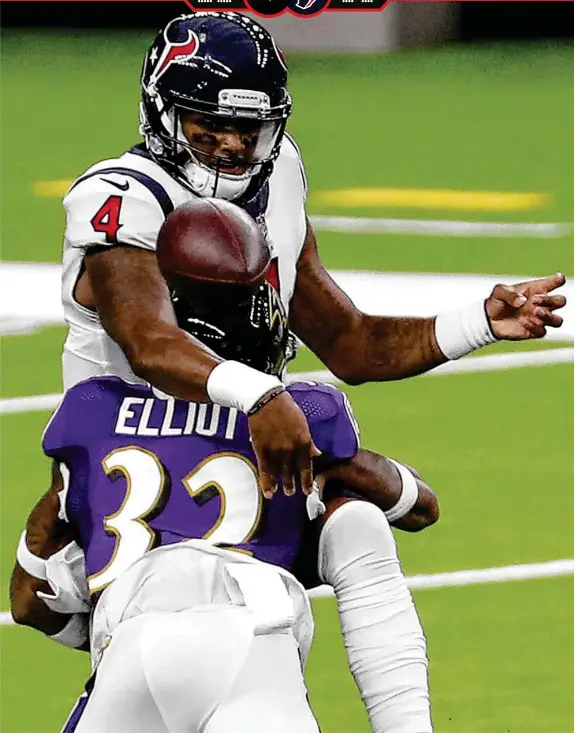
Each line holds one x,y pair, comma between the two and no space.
205,172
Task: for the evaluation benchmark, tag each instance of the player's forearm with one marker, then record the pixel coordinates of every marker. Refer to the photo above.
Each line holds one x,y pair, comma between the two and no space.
382,349
46,533
192,372
375,478
29,610
356,347
134,306
172,362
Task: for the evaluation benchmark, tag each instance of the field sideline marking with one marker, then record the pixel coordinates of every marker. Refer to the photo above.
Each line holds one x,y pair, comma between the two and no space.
433,198
440,228
459,578
489,363
31,295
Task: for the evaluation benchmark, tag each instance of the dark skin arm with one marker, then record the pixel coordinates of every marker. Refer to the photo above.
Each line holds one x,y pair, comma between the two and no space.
134,306
376,479
125,286
45,535
358,347
354,346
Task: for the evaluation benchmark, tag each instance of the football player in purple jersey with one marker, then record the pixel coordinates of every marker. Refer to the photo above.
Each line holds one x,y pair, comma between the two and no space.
136,475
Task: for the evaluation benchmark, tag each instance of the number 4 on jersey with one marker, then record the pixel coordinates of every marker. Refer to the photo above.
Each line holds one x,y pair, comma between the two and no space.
107,219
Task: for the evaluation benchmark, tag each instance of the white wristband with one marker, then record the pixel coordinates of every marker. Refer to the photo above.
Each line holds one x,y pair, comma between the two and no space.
75,633
409,493
32,564
462,331
232,384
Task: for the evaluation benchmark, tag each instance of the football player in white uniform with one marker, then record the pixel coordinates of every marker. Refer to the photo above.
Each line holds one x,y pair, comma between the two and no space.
213,115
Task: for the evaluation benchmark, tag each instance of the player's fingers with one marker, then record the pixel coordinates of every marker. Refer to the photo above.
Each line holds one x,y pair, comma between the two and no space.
268,485
305,470
267,477
288,478
319,482
542,284
553,302
544,317
534,327
315,451
538,332
552,319
506,294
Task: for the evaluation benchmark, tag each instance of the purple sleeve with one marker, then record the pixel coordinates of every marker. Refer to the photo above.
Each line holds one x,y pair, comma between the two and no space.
331,420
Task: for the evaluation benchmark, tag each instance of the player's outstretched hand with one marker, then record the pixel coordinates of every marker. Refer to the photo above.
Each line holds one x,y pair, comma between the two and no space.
283,446
525,310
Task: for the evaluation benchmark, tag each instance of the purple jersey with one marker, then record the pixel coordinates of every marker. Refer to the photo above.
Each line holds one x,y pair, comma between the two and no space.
146,470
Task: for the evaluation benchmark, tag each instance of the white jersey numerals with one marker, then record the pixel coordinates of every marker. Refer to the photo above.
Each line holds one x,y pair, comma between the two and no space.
146,481
231,475
236,482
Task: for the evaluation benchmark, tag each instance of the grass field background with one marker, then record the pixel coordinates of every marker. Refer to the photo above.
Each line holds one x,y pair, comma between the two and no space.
496,447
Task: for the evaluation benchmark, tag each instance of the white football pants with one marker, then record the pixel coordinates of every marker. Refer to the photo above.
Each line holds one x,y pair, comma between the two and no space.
197,671
196,639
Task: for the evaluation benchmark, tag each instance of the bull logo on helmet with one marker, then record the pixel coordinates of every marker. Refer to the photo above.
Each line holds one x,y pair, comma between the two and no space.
173,52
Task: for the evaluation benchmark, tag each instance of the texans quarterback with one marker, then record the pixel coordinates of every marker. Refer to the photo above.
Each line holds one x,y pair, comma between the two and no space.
213,115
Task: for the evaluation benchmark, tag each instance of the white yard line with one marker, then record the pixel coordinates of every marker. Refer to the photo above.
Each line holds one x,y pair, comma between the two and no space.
492,362
435,228
480,576
30,294
459,578
36,403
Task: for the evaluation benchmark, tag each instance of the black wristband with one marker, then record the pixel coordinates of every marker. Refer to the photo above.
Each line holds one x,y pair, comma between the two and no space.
268,397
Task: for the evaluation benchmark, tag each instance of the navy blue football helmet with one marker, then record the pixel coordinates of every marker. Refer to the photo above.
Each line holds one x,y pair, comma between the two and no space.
247,325
221,64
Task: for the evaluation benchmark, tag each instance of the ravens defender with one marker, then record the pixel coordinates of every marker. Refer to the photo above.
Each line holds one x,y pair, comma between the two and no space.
205,634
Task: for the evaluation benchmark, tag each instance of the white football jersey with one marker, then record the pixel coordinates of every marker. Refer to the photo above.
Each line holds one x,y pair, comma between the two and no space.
125,201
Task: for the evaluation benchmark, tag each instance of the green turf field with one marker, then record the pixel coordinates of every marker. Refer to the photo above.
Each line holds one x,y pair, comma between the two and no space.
496,447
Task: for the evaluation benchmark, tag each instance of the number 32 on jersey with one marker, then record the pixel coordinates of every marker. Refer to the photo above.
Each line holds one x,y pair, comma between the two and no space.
232,475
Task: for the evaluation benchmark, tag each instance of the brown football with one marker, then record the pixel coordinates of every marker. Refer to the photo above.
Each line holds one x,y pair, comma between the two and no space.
212,241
